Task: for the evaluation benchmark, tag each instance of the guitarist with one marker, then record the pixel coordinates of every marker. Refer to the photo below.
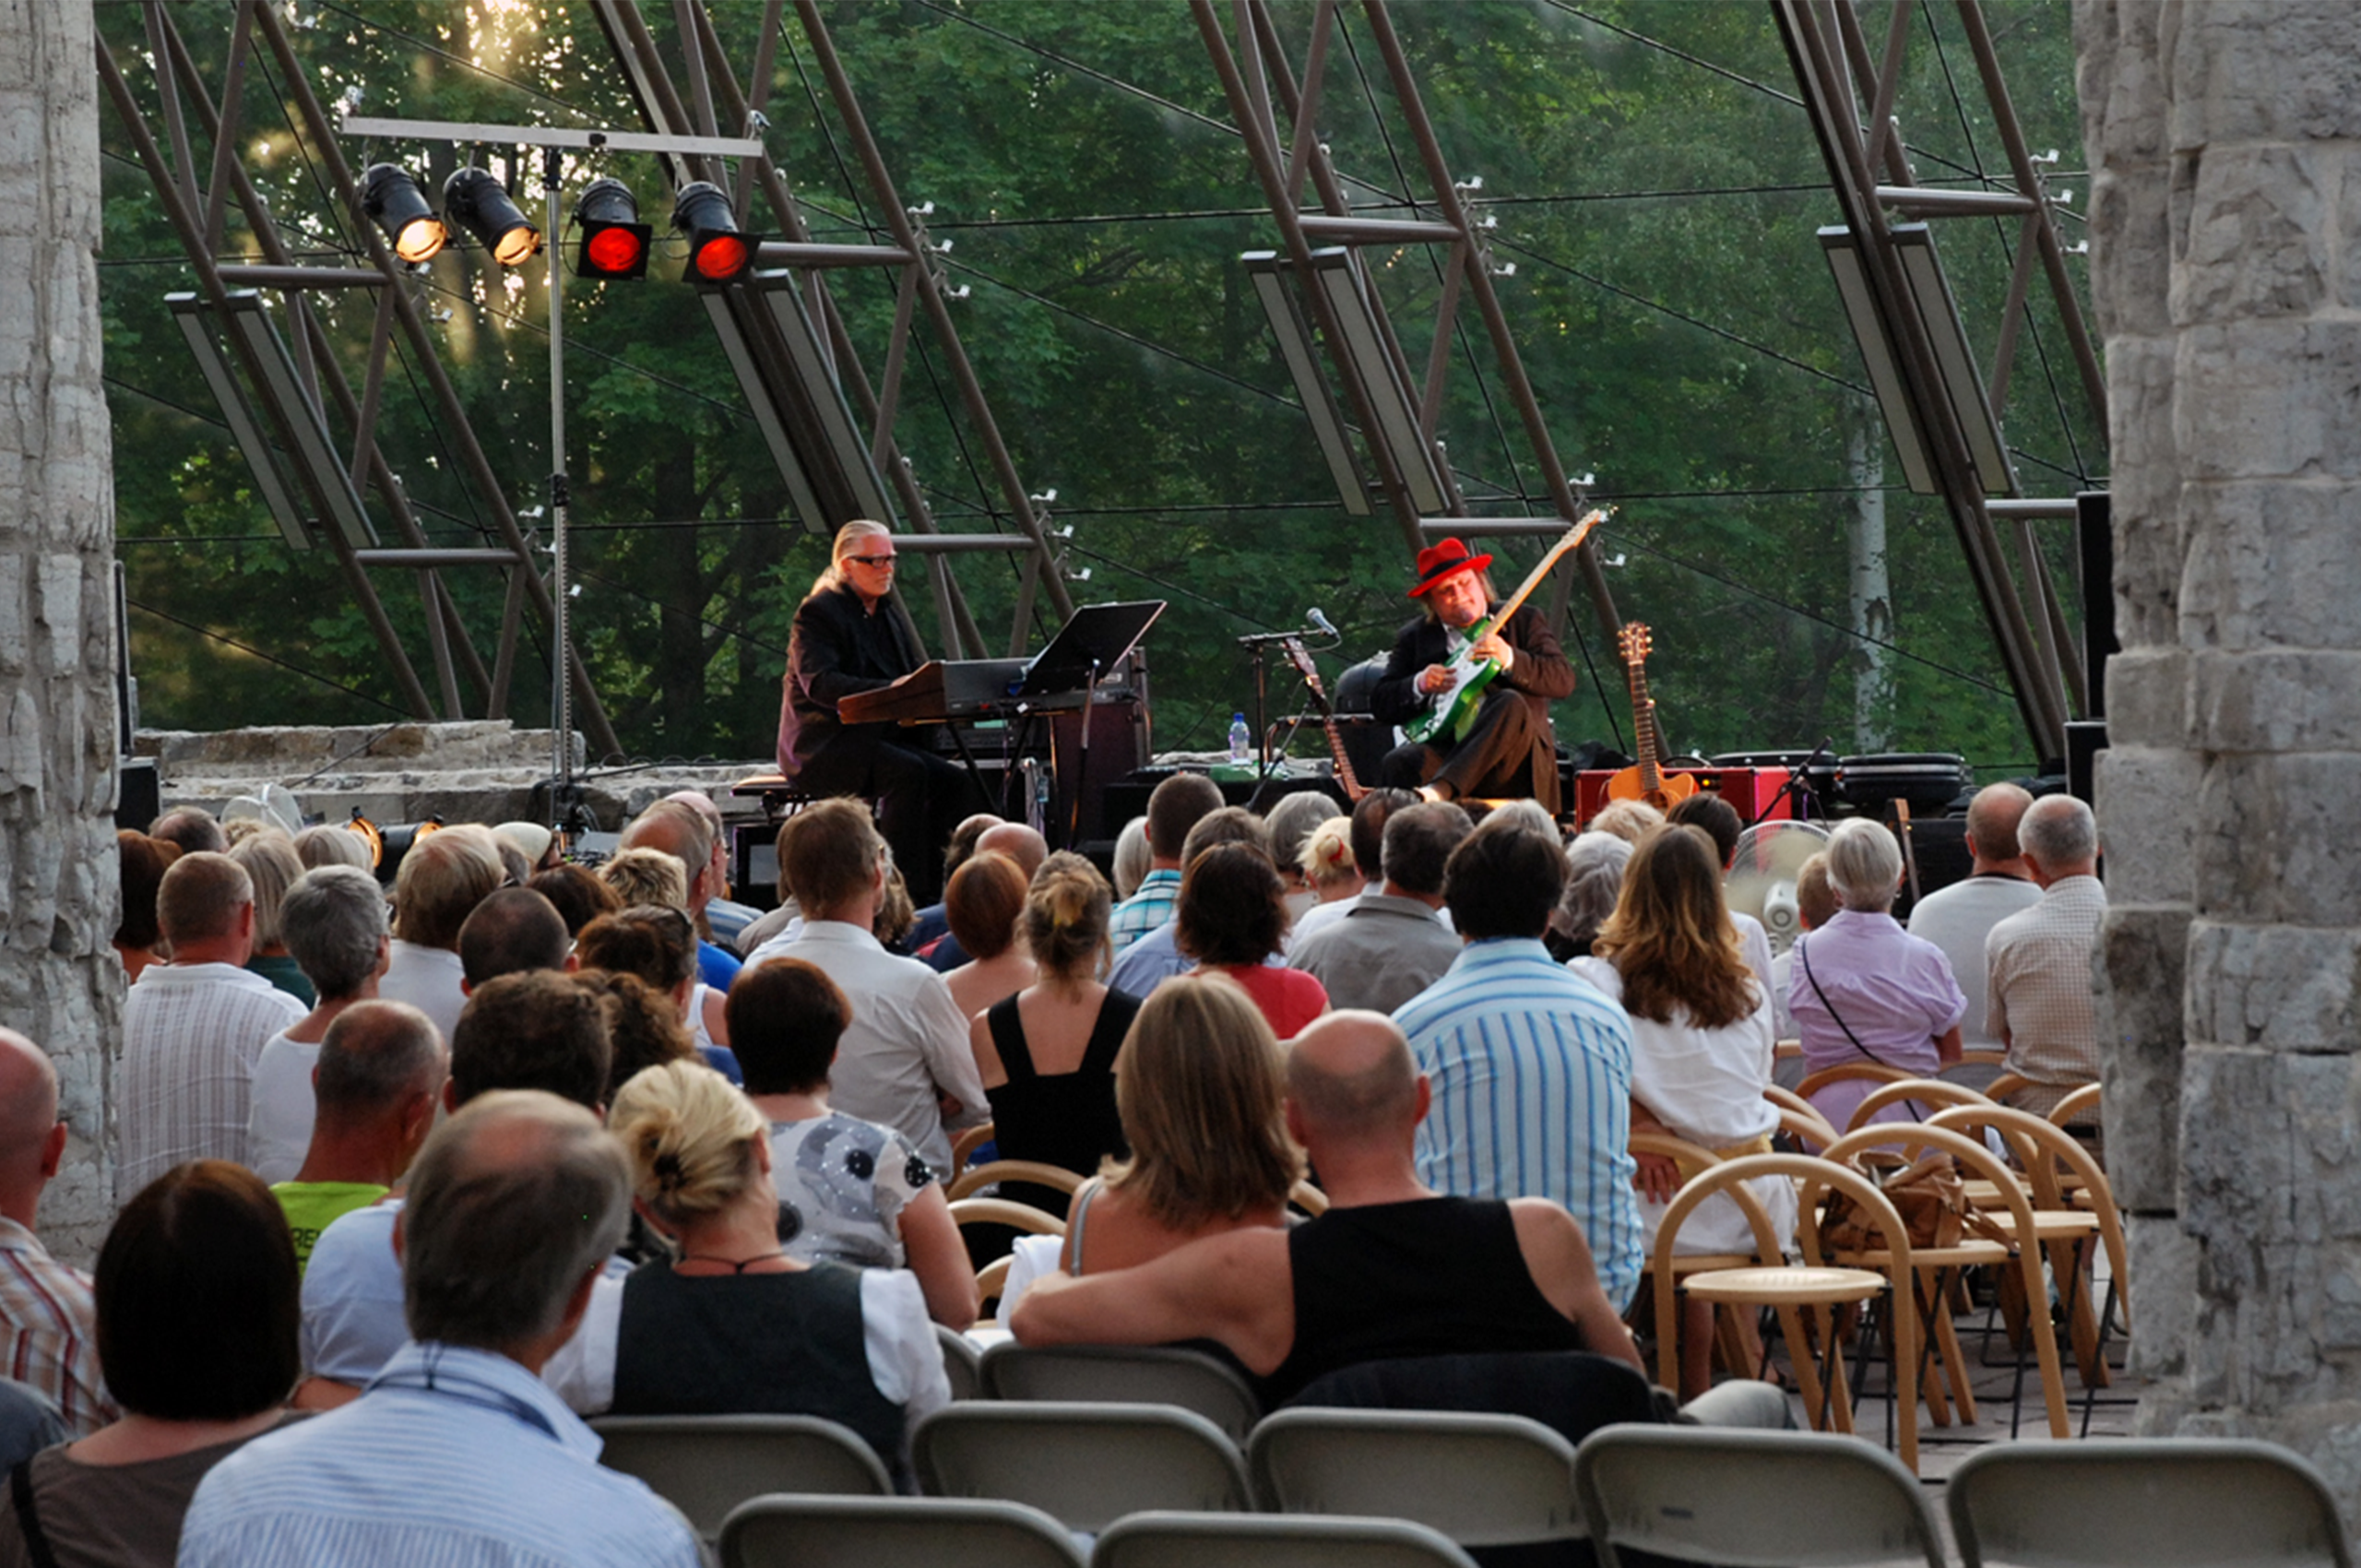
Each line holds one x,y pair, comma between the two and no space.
1509,749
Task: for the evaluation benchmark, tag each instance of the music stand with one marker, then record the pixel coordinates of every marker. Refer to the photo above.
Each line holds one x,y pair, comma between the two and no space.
1095,640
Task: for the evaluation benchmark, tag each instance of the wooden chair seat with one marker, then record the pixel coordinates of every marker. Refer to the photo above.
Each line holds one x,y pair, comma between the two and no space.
1754,1284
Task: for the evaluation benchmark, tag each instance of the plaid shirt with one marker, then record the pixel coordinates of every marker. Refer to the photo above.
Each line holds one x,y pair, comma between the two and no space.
1151,906
48,1331
2039,963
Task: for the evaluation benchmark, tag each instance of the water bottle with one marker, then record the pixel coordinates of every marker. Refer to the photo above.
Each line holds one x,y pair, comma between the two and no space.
1241,739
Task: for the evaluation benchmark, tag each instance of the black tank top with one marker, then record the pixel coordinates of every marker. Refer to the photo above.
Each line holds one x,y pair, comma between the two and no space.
750,1345
1062,1119
1432,1276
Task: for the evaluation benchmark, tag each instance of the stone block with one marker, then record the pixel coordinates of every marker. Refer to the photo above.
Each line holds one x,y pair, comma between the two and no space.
2120,79
2132,249
2141,961
2272,565
2274,841
2269,399
2275,700
2164,1262
2148,697
2265,70
2251,231
2147,811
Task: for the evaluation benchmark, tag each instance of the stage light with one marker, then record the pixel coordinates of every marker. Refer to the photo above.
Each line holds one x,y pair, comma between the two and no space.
478,203
614,243
717,252
395,204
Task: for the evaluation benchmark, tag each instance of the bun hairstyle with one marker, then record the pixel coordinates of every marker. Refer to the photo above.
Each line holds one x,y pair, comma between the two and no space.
1065,916
1327,856
690,1138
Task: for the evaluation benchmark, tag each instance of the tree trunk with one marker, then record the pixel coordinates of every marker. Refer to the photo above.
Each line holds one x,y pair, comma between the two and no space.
1872,593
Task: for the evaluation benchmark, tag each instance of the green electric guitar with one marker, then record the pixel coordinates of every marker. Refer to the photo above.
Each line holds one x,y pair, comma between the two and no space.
1447,721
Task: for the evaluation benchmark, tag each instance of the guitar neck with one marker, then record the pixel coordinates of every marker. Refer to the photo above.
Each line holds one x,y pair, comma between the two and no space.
1574,536
1643,726
1301,658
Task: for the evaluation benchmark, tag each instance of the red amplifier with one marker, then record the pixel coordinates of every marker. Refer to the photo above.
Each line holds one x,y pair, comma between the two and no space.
1747,790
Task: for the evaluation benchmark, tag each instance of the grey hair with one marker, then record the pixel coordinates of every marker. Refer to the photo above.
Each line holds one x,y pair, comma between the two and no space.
333,918
320,845
1864,865
376,1056
2059,830
1595,865
1532,815
269,857
1133,858
512,1202
1291,822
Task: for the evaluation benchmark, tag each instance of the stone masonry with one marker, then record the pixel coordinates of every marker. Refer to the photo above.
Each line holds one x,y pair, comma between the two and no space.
2225,136
60,982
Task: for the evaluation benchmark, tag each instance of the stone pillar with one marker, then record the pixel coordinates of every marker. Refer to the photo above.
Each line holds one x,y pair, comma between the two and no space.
2226,238
60,982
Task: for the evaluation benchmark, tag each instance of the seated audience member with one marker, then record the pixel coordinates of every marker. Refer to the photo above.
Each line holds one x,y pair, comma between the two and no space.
513,929
1327,863
1701,1051
1957,919
655,942
379,1081
1815,906
336,919
197,1331
904,1060
1595,864
849,1191
1130,858
1719,821
441,880
1291,820
142,861
532,839
984,900
193,1030
2040,958
48,1331
1175,807
1018,843
535,1030
193,828
1045,1055
1156,957
733,1325
1392,1269
643,1028
1864,989
652,877
1531,1066
1233,919
894,914
1392,944
934,920
723,920
576,893
1628,819
1366,828
458,1452
680,831
269,857
321,845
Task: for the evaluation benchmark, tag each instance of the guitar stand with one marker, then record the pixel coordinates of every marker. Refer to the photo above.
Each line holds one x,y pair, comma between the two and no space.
1274,757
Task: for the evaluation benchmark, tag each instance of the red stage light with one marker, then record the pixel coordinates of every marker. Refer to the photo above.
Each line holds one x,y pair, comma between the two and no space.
612,251
614,243
718,252
720,259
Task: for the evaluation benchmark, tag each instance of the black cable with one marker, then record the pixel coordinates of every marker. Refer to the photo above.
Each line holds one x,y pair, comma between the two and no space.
266,657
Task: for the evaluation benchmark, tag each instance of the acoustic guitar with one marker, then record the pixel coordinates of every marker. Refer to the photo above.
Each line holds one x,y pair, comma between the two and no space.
1447,723
1296,655
1644,781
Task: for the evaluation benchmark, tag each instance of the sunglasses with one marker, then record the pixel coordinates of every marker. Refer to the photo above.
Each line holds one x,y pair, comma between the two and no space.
871,560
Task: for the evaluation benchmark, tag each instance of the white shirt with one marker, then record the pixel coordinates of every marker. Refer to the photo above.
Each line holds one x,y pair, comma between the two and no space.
1957,919
428,978
1323,915
1753,945
906,1040
191,1036
278,1120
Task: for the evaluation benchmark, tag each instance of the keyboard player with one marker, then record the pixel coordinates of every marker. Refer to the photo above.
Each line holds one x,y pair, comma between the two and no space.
848,639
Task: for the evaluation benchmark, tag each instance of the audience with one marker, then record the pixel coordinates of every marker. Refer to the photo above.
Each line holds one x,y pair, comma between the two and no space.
194,1028
1392,944
1132,858
532,840
321,845
733,1325
48,1331
269,857
643,1027
849,1191
1628,819
1365,829
2040,958
1173,808
680,830
984,900
142,861
1999,883
1720,821
904,1061
722,919
1233,919
1020,844
191,828
1531,1066
378,1083
1328,868
576,893
1292,819
657,944
1815,906
932,923
513,929
458,1452
335,919
1594,865
651,878
195,1295
442,879
1156,957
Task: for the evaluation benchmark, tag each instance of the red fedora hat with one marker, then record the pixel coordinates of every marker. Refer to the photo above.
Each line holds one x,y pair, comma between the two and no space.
1444,560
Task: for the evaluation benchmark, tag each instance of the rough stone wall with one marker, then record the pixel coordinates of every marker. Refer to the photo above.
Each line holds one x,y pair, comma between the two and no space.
60,982
2225,234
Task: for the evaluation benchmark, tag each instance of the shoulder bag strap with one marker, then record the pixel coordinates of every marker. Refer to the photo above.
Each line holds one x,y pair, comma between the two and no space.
20,1492
1804,958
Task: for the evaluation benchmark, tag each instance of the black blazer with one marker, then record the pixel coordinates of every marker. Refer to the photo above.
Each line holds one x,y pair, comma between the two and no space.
1540,672
836,649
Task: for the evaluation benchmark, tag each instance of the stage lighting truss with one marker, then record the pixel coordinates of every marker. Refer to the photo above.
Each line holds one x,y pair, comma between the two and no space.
477,202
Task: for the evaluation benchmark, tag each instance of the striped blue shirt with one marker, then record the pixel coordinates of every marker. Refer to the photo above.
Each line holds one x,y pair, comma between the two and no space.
1152,906
1531,1068
485,1468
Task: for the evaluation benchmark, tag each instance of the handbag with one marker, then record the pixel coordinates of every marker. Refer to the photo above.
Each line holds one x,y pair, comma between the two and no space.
1929,1197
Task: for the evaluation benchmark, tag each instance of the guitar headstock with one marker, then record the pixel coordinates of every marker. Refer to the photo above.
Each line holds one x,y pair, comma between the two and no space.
1633,642
1301,658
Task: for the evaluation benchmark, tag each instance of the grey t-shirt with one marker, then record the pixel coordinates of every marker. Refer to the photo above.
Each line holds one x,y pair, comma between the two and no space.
111,1515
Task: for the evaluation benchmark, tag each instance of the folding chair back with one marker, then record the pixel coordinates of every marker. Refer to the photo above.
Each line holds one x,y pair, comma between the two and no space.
2148,1502
1085,1465
1125,1375
707,1464
1764,1498
1480,1480
963,1363
908,1532
1267,1540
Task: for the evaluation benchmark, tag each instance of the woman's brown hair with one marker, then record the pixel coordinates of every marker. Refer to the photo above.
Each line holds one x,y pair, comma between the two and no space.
1670,936
1231,909
1203,1096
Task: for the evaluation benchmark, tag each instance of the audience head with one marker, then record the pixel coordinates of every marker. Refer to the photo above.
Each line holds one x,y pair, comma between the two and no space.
1133,857
321,845
1198,1087
1232,907
829,857
2060,837
335,920
1716,816
1327,858
1225,824
1628,819
1019,842
1864,865
1291,822
193,828
697,1145
33,1140
1595,864
534,1031
514,1203
653,941
785,1018
1369,814
647,876
382,1065
1670,937
534,842
206,899
198,1298
1532,815
1992,819
1352,1085
143,862
982,903
1174,808
897,911
644,1028
680,831
1419,844
962,841
1503,880
269,857
577,893
515,929
446,873
1815,899
1066,915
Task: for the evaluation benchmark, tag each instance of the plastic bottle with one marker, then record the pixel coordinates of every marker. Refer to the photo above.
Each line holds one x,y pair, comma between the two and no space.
1241,740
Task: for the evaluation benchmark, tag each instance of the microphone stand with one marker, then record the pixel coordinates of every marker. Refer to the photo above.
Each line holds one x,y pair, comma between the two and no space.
1798,789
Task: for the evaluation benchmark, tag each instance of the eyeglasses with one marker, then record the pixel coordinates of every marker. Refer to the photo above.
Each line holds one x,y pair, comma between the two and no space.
871,560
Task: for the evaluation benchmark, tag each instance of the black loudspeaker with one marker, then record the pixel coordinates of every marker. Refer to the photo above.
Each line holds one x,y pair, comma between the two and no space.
1113,755
2084,740
139,794
2094,536
1938,845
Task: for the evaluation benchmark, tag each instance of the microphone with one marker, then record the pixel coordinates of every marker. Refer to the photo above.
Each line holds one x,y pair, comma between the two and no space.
1317,618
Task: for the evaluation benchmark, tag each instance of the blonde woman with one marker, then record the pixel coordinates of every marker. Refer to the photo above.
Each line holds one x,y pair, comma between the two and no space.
1335,878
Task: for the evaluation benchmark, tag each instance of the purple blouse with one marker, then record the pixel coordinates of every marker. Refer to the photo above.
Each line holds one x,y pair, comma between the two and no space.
1892,990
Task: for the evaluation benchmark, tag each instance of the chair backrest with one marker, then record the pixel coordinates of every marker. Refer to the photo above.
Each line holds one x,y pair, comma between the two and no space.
1085,1465
1931,1092
2046,1150
908,1532
1766,1499
1153,1374
1270,1540
1846,1071
1690,1158
966,1142
976,1177
1481,1480
963,1363
1000,1211
2084,1101
705,1466
2148,1502
1574,1393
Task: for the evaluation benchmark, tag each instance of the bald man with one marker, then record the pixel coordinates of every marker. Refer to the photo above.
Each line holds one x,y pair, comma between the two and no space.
680,831
724,919
1020,843
1959,918
49,1334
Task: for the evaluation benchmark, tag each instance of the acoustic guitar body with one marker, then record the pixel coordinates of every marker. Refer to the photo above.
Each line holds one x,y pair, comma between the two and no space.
1671,788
